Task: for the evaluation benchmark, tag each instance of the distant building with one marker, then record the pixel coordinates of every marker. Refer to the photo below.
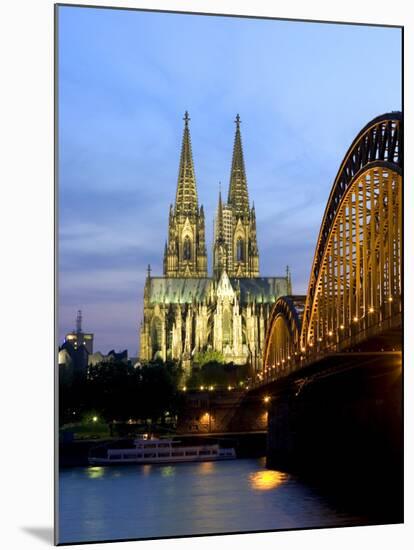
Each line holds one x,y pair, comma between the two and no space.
79,338
64,358
74,357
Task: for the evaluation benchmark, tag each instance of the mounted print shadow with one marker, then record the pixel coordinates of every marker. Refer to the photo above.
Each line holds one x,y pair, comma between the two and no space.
229,256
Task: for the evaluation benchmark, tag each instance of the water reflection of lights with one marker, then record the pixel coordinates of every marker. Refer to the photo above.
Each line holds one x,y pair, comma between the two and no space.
266,479
206,468
146,469
167,471
95,472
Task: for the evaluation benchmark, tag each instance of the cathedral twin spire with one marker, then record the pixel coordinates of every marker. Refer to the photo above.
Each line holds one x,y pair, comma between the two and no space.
238,197
186,200
185,253
235,246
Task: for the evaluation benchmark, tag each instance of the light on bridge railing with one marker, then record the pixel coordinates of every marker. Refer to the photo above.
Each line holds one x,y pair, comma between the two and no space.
330,333
371,309
342,327
355,319
319,339
390,299
266,399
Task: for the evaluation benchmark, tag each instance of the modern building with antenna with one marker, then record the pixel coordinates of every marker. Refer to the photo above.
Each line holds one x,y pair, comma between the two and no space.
187,312
80,338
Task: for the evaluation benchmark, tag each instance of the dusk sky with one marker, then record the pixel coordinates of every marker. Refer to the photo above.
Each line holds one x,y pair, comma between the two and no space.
303,91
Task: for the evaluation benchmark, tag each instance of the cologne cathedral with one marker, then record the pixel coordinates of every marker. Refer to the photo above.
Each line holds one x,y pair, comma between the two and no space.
186,311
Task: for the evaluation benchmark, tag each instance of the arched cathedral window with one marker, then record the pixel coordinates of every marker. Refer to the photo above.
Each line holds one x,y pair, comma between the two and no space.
187,249
240,250
156,336
227,326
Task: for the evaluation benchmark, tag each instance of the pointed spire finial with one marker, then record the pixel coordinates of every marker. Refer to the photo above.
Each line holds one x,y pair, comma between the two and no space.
186,200
220,213
149,271
219,223
238,196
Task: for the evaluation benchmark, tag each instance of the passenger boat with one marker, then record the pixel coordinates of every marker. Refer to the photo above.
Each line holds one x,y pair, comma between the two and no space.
151,450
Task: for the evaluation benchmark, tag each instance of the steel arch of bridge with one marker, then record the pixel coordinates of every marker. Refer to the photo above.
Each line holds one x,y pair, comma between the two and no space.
355,282
282,342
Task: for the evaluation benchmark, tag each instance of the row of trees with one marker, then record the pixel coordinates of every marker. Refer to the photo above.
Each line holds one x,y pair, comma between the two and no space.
118,391
215,373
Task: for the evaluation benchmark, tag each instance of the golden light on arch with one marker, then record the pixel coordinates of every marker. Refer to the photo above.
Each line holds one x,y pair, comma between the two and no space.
355,278
357,261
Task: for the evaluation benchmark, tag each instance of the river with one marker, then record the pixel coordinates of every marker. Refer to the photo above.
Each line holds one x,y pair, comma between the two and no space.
144,501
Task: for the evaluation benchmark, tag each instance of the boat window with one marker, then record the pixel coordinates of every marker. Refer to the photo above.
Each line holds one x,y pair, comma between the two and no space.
150,446
175,453
163,445
149,455
115,457
163,454
204,452
130,455
190,453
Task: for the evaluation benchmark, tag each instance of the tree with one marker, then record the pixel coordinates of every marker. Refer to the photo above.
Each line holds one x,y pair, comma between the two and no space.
202,358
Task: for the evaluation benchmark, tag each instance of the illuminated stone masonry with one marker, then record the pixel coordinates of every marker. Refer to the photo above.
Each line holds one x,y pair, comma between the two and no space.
185,311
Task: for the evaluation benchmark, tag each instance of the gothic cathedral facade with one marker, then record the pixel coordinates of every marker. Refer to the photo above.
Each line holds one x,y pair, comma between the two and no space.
186,312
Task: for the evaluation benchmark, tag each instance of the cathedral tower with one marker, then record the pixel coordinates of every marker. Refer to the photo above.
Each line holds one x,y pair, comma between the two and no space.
238,219
185,253
188,314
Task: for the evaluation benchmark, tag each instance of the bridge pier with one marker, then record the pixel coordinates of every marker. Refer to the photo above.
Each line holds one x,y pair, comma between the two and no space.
343,426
